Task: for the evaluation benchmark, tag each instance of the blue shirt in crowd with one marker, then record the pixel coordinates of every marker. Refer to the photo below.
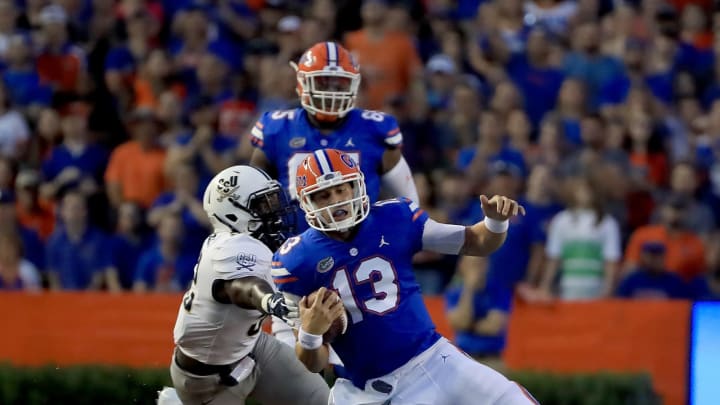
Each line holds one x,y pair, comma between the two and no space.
173,273
91,161
495,296
644,284
76,262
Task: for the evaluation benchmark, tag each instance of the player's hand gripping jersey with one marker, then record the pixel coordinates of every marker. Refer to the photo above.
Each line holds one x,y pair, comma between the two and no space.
373,275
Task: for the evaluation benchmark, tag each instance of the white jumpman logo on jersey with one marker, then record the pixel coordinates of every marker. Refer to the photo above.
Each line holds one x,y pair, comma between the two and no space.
349,143
382,241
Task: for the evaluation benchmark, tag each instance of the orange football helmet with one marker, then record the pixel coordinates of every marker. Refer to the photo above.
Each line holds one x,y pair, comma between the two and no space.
328,79
324,169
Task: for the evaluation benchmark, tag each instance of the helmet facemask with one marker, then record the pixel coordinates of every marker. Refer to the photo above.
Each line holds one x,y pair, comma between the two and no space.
273,216
321,218
328,93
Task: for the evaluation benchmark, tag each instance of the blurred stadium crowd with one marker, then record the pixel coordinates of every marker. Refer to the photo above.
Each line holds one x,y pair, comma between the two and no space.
601,116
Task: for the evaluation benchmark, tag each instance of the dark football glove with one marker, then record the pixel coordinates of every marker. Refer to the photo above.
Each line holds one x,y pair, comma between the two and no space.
278,305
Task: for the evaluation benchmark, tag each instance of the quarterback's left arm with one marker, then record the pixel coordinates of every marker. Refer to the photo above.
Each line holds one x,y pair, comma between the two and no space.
480,239
486,236
397,177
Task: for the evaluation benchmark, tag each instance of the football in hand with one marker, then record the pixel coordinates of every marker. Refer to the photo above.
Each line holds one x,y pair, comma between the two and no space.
340,323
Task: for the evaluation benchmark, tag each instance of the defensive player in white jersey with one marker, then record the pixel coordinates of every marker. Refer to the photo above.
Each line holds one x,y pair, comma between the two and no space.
221,355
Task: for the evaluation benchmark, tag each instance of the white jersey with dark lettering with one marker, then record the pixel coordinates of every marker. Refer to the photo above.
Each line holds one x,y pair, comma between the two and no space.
216,332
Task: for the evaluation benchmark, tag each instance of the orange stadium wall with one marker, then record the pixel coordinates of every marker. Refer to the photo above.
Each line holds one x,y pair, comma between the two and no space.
80,328
136,330
614,335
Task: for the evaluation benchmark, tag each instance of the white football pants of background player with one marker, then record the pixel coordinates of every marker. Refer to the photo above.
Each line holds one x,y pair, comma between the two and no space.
441,375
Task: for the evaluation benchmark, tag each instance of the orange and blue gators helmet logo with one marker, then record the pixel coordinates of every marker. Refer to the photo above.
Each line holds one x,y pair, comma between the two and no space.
326,168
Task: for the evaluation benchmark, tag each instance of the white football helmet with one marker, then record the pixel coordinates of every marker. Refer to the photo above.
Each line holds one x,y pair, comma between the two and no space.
245,199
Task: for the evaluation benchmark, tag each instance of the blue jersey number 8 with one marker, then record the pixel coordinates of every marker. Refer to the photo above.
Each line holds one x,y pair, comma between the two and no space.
373,115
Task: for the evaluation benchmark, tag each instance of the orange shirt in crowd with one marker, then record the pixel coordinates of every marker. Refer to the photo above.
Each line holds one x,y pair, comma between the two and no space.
41,220
386,65
139,172
145,96
685,252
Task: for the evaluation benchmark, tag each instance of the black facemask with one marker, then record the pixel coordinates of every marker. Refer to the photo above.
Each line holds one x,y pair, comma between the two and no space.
275,219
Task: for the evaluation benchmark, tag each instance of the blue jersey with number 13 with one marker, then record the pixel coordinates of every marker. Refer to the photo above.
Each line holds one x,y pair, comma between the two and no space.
373,275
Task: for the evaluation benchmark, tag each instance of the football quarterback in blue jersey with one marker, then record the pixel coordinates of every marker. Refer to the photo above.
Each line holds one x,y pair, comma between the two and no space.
363,252
328,79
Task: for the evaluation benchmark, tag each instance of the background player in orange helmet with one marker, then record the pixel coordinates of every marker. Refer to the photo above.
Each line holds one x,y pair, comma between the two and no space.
328,79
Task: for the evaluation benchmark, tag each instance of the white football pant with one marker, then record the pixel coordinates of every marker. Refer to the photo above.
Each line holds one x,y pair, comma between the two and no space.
441,375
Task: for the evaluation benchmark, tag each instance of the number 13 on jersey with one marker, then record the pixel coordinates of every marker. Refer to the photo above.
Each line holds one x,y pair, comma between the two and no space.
382,277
